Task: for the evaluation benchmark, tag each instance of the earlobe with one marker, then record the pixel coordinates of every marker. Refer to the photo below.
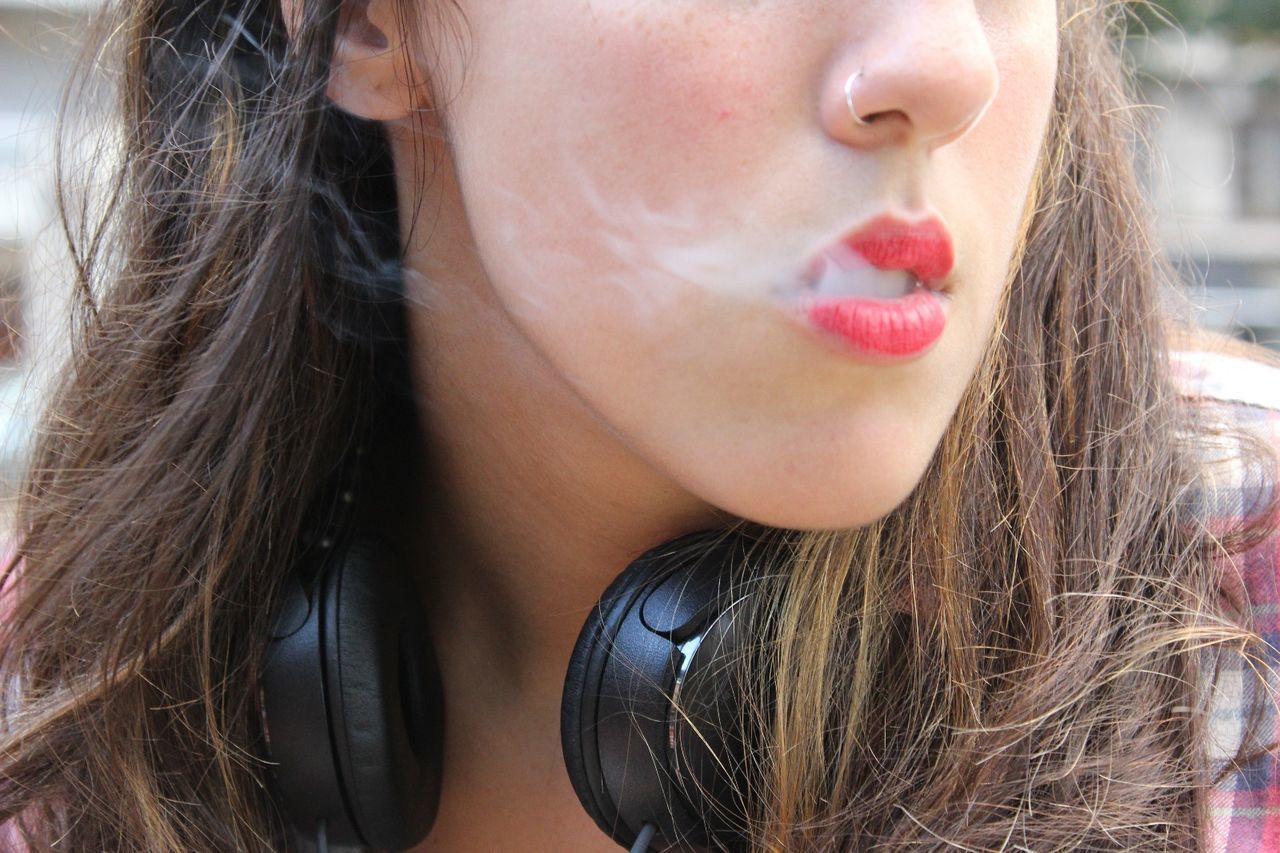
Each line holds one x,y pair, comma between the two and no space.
371,75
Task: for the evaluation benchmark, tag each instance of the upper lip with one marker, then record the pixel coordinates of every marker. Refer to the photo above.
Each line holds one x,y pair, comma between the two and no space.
923,247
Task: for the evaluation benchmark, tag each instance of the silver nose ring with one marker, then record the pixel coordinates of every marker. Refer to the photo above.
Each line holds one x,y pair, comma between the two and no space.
848,98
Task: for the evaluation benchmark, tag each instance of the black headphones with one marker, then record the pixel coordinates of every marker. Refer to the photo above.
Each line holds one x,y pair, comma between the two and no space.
353,710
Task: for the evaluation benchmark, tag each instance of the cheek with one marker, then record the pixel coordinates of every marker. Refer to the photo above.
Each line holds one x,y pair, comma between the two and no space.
583,205
989,172
680,97
649,105
1006,148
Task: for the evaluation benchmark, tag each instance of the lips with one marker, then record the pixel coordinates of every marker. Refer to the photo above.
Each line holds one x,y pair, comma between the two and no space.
842,301
923,248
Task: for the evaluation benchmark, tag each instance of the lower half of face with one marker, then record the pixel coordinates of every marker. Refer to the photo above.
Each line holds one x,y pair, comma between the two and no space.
646,185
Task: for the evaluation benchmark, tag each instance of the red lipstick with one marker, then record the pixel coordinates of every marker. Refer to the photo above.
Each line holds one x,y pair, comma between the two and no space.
887,328
924,248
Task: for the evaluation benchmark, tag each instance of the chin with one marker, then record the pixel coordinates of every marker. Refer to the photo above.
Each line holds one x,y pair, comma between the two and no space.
820,508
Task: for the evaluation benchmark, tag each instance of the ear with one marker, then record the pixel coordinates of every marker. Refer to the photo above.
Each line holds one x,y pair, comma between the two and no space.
371,75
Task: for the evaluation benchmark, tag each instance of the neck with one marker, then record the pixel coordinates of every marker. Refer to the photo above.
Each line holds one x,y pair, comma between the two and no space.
532,506
535,504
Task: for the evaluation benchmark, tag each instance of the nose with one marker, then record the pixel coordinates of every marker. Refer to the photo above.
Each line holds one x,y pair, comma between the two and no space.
925,75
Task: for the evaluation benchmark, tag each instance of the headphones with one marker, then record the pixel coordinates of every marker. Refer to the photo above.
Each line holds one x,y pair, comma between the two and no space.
352,702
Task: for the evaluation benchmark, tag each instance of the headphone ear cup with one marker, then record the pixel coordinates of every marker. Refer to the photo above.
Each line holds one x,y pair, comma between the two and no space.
617,717
295,718
386,707
579,703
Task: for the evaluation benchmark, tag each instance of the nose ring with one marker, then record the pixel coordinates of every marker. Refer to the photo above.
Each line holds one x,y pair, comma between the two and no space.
848,98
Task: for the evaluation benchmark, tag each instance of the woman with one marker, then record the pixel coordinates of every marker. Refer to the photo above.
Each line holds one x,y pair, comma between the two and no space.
636,244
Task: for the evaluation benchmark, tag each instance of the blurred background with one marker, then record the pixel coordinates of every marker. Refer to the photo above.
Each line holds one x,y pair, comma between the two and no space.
1213,82
1214,86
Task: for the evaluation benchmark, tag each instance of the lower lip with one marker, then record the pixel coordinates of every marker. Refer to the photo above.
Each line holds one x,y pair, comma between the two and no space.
882,328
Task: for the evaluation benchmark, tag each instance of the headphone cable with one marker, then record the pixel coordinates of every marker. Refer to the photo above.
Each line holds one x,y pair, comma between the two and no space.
641,844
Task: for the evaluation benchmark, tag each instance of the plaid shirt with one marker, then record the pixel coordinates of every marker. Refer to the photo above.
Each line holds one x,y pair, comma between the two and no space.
1245,806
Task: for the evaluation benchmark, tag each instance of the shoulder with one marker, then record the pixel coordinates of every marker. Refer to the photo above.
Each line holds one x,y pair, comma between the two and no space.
1237,398
1229,376
1239,387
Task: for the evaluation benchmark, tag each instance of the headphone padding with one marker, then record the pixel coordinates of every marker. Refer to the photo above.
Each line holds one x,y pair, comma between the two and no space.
386,703
582,685
296,719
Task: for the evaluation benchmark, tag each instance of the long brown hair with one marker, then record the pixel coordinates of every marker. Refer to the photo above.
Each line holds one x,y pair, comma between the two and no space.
1015,656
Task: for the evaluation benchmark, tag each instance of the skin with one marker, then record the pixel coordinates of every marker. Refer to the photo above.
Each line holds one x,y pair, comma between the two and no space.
625,191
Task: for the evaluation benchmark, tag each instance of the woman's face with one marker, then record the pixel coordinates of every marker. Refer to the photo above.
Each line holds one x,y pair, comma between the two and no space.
647,183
